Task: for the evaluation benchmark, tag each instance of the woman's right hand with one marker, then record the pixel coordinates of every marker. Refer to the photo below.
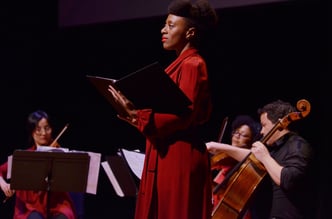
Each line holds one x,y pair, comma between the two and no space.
127,111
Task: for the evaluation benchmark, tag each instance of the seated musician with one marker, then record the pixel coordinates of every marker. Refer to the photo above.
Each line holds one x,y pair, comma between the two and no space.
245,130
35,204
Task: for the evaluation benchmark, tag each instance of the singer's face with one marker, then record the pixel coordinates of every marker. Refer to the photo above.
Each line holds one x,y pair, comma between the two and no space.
174,33
42,135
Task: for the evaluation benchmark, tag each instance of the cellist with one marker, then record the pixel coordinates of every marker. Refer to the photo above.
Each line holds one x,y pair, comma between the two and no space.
288,159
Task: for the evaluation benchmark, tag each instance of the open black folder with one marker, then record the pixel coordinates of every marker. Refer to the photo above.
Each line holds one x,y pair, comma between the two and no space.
147,88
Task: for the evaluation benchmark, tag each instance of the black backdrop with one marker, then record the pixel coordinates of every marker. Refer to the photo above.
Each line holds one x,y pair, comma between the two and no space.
259,54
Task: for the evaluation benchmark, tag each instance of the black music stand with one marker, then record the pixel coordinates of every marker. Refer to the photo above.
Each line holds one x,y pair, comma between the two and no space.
49,171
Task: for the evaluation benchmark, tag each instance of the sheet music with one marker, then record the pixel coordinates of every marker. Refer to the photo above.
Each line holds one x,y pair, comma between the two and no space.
93,172
9,170
112,178
52,149
135,161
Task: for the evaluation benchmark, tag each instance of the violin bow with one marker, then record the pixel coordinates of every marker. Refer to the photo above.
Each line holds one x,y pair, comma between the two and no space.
59,135
222,129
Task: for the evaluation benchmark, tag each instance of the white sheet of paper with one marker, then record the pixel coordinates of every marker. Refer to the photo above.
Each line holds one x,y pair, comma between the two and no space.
135,161
51,149
9,170
93,172
112,178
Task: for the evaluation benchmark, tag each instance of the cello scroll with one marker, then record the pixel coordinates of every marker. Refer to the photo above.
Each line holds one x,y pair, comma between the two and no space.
304,109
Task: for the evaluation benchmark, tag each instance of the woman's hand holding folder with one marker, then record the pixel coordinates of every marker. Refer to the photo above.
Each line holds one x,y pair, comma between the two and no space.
126,109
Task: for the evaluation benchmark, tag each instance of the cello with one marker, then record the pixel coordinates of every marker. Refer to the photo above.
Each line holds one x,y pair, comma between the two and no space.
236,194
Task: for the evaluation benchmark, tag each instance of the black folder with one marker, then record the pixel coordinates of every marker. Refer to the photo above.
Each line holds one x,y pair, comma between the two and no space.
147,88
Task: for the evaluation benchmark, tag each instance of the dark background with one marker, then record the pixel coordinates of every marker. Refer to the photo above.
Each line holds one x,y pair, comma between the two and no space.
260,53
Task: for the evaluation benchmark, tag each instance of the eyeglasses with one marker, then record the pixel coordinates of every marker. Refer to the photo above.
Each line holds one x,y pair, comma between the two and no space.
46,129
240,134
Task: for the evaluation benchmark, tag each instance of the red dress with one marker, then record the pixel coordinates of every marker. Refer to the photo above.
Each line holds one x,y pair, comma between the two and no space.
28,201
176,179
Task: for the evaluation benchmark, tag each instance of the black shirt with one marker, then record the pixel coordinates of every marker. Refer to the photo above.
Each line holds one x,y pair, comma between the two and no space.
292,198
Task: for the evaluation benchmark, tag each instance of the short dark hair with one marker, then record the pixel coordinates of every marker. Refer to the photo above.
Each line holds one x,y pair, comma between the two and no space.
276,110
200,15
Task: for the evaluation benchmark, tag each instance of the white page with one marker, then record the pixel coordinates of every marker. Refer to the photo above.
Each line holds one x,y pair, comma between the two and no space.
135,161
112,178
93,172
9,170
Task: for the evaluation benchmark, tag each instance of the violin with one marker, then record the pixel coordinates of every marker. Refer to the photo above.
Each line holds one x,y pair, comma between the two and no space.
217,158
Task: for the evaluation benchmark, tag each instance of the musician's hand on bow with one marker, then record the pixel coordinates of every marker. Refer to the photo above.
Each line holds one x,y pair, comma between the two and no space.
127,110
214,147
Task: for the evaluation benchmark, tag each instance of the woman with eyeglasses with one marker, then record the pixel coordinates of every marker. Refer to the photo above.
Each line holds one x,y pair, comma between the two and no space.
37,204
245,130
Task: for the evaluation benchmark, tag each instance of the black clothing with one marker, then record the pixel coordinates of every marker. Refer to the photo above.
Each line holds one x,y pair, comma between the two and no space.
291,199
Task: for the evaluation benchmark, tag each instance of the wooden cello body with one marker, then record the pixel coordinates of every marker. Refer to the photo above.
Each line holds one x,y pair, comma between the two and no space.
241,183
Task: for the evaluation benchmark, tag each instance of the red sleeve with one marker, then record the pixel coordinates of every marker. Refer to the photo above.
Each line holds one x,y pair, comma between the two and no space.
3,170
192,79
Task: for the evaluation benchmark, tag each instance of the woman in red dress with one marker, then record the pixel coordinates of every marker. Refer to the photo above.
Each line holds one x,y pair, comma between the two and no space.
37,204
176,179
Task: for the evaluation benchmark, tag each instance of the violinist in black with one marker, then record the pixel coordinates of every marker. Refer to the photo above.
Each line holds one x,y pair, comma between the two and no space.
286,192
